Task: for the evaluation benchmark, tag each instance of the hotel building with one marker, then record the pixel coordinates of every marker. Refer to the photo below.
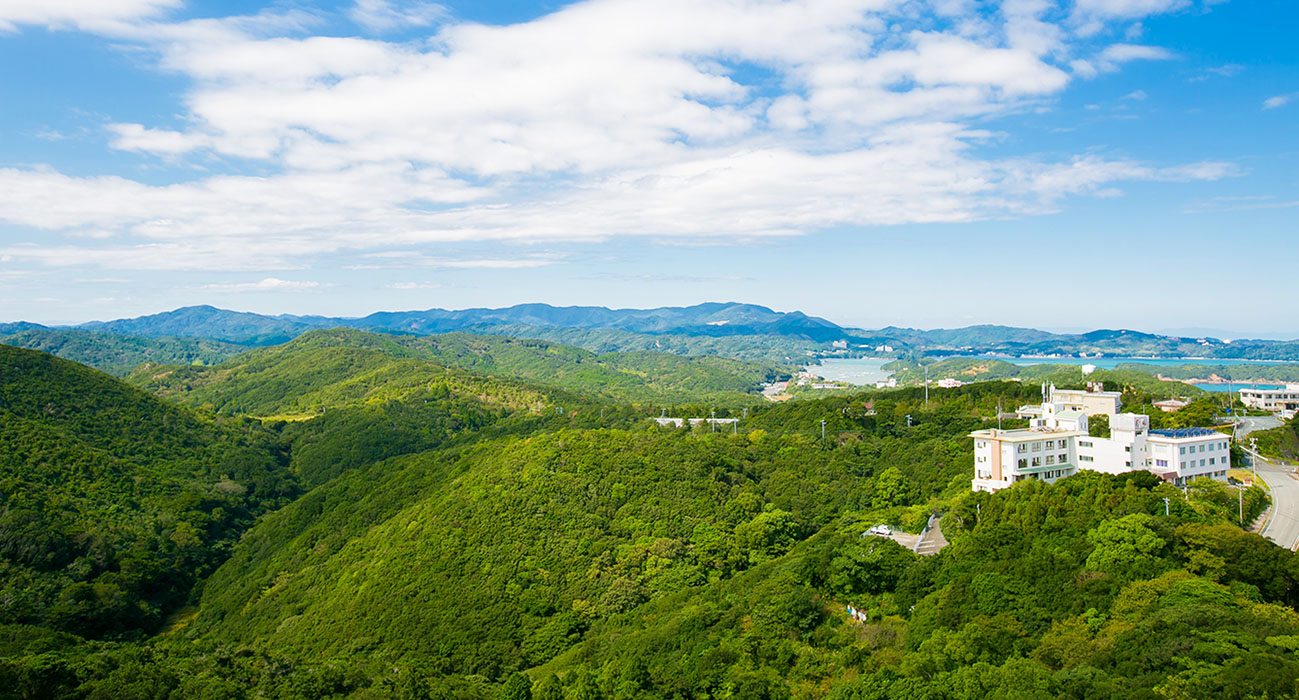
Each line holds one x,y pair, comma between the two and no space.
1057,444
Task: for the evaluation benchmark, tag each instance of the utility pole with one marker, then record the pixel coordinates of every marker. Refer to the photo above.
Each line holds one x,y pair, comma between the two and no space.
926,386
908,420
713,422
1253,457
1165,506
998,414
822,428
746,412
1240,495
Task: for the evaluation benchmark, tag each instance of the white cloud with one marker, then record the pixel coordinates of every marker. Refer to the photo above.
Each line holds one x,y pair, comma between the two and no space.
412,286
606,118
1136,95
1091,16
1277,101
84,14
382,16
270,284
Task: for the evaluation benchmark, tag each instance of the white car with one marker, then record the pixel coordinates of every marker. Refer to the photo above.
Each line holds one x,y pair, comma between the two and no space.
880,531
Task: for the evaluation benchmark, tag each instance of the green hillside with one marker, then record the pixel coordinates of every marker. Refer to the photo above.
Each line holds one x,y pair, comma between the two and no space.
771,349
337,367
460,537
119,354
113,503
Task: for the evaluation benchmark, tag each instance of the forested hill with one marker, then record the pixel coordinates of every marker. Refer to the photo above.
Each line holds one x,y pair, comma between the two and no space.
710,319
744,331
113,503
117,354
330,367
459,537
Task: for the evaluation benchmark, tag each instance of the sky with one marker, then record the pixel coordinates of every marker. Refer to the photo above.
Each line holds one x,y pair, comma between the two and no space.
1068,164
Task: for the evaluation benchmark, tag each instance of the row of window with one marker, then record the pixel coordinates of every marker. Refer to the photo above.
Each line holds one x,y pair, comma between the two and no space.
1038,446
1053,474
1050,459
1212,446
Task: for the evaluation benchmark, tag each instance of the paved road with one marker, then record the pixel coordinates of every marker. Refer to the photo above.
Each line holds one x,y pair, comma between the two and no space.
933,539
924,544
1283,526
1249,424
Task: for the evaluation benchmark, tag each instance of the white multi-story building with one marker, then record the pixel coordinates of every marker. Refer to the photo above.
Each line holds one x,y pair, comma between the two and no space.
1284,402
1057,444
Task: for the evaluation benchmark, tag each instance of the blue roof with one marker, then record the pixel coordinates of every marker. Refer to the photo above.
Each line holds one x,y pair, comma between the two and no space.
1185,432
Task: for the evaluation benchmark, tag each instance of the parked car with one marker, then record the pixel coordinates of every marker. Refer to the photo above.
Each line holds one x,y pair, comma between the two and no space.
880,530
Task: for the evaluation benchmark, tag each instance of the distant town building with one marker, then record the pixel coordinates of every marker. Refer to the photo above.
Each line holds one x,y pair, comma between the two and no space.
883,348
682,422
1171,405
839,345
950,383
1283,402
1057,444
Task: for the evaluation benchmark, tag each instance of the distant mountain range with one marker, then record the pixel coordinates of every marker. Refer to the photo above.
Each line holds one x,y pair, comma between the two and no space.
744,331
713,319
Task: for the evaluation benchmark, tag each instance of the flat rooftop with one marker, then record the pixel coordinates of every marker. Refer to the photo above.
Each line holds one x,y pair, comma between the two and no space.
1023,434
1179,433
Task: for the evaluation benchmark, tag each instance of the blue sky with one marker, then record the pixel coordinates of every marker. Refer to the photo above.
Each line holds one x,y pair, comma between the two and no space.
1071,164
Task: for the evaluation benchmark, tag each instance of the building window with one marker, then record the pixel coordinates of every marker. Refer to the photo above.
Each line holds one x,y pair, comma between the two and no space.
1037,461
1023,464
980,444
1127,448
1050,444
1022,447
1201,463
1050,459
1084,458
1181,450
1084,443
1037,447
1063,458
1211,461
1161,463
1201,448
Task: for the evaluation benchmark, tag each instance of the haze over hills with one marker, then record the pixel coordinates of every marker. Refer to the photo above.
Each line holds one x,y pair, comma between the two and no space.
728,329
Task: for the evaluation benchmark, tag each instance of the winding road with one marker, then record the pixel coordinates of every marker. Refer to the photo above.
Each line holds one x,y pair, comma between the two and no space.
1283,525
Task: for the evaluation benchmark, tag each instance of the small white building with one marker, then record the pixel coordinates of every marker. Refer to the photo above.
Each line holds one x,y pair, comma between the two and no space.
1283,402
1181,454
1093,401
950,383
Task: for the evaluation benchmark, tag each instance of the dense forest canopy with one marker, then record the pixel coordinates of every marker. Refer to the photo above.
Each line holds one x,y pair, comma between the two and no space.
372,516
